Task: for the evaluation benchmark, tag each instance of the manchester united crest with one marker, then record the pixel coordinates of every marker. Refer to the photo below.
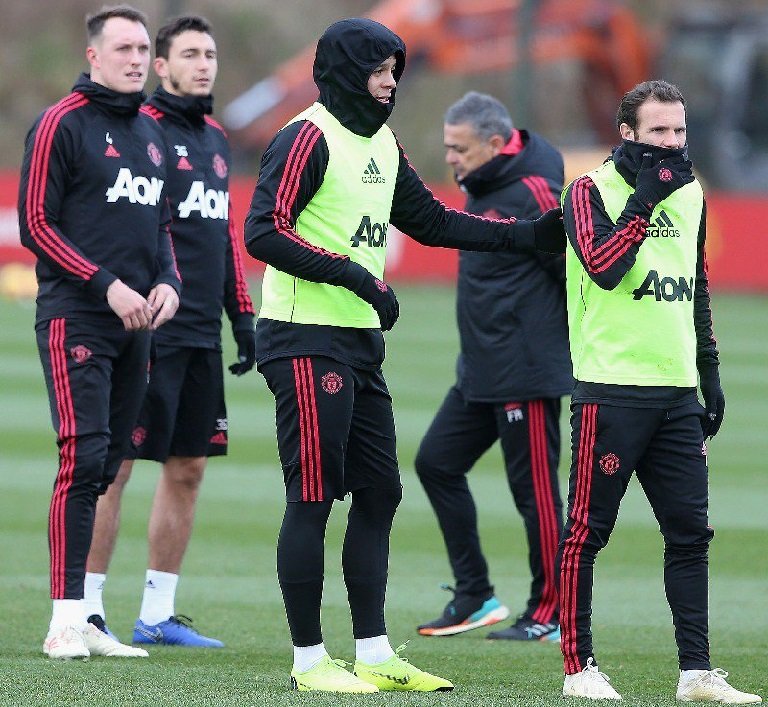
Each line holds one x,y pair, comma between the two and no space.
138,436
80,353
220,166
331,383
609,464
154,154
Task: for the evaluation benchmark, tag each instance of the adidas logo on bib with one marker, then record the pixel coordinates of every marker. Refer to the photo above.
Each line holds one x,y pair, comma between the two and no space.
663,227
372,175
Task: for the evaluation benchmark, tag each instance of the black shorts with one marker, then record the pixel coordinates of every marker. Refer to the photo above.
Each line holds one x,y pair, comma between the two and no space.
335,427
184,414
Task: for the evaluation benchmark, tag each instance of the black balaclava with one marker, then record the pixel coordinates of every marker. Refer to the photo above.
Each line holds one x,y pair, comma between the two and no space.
347,54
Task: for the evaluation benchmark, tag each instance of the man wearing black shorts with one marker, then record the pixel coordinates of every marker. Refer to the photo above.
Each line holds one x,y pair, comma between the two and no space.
92,207
184,419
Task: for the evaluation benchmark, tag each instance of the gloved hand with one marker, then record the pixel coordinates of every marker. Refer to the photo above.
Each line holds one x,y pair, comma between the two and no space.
549,233
714,399
382,298
655,182
246,350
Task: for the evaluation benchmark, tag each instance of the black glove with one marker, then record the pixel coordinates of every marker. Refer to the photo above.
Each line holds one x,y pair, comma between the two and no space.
655,182
714,399
382,298
246,350
549,232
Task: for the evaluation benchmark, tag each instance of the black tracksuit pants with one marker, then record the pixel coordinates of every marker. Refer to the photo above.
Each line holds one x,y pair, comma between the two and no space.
96,377
530,441
666,449
335,436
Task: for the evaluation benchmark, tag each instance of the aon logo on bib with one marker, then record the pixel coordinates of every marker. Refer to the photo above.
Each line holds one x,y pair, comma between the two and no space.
668,289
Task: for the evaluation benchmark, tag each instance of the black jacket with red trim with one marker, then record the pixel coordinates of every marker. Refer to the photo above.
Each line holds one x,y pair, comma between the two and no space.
92,202
203,226
510,307
608,250
347,54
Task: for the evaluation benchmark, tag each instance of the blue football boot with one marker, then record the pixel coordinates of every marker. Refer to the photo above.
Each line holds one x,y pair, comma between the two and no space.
176,631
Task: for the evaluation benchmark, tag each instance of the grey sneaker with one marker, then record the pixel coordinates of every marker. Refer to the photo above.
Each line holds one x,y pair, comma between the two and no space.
589,683
66,643
710,686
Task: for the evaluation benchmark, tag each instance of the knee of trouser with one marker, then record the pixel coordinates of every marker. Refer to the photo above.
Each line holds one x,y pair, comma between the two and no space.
425,464
694,543
688,530
90,455
377,502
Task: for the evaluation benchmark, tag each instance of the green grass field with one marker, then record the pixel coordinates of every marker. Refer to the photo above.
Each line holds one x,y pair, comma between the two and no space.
229,586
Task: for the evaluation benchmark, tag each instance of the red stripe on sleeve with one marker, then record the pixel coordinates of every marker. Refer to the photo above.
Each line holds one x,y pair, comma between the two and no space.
245,305
40,230
289,186
541,192
601,258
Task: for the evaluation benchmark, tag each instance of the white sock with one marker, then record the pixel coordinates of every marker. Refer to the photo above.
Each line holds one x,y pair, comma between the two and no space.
67,612
373,650
94,587
306,657
157,605
686,675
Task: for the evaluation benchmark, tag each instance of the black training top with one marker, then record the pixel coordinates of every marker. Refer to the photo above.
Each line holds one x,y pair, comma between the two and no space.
291,173
627,158
203,226
510,307
92,202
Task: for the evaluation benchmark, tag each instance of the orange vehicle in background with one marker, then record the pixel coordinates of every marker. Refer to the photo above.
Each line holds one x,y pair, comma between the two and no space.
460,37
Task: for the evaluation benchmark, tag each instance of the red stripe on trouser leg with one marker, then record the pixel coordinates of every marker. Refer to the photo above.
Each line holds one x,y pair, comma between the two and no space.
574,542
315,433
309,471
303,447
545,509
57,537
309,431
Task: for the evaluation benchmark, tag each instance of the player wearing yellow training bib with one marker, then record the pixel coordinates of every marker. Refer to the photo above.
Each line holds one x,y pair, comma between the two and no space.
640,330
331,182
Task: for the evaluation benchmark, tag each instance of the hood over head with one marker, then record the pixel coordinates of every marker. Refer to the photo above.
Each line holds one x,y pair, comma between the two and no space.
346,56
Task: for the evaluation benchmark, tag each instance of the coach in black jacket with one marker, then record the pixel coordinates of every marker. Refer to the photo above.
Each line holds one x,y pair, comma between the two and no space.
513,368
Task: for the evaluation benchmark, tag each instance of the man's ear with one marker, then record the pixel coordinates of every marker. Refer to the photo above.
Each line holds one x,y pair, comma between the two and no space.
161,67
626,132
92,56
496,144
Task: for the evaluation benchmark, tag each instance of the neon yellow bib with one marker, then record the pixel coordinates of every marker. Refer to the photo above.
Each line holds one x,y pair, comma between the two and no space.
348,215
642,332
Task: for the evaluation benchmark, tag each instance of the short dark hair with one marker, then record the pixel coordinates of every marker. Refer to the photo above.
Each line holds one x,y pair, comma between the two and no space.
94,24
173,28
486,115
656,90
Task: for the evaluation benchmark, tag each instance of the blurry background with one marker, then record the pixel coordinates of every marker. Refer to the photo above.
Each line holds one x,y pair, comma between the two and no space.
561,66
564,78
